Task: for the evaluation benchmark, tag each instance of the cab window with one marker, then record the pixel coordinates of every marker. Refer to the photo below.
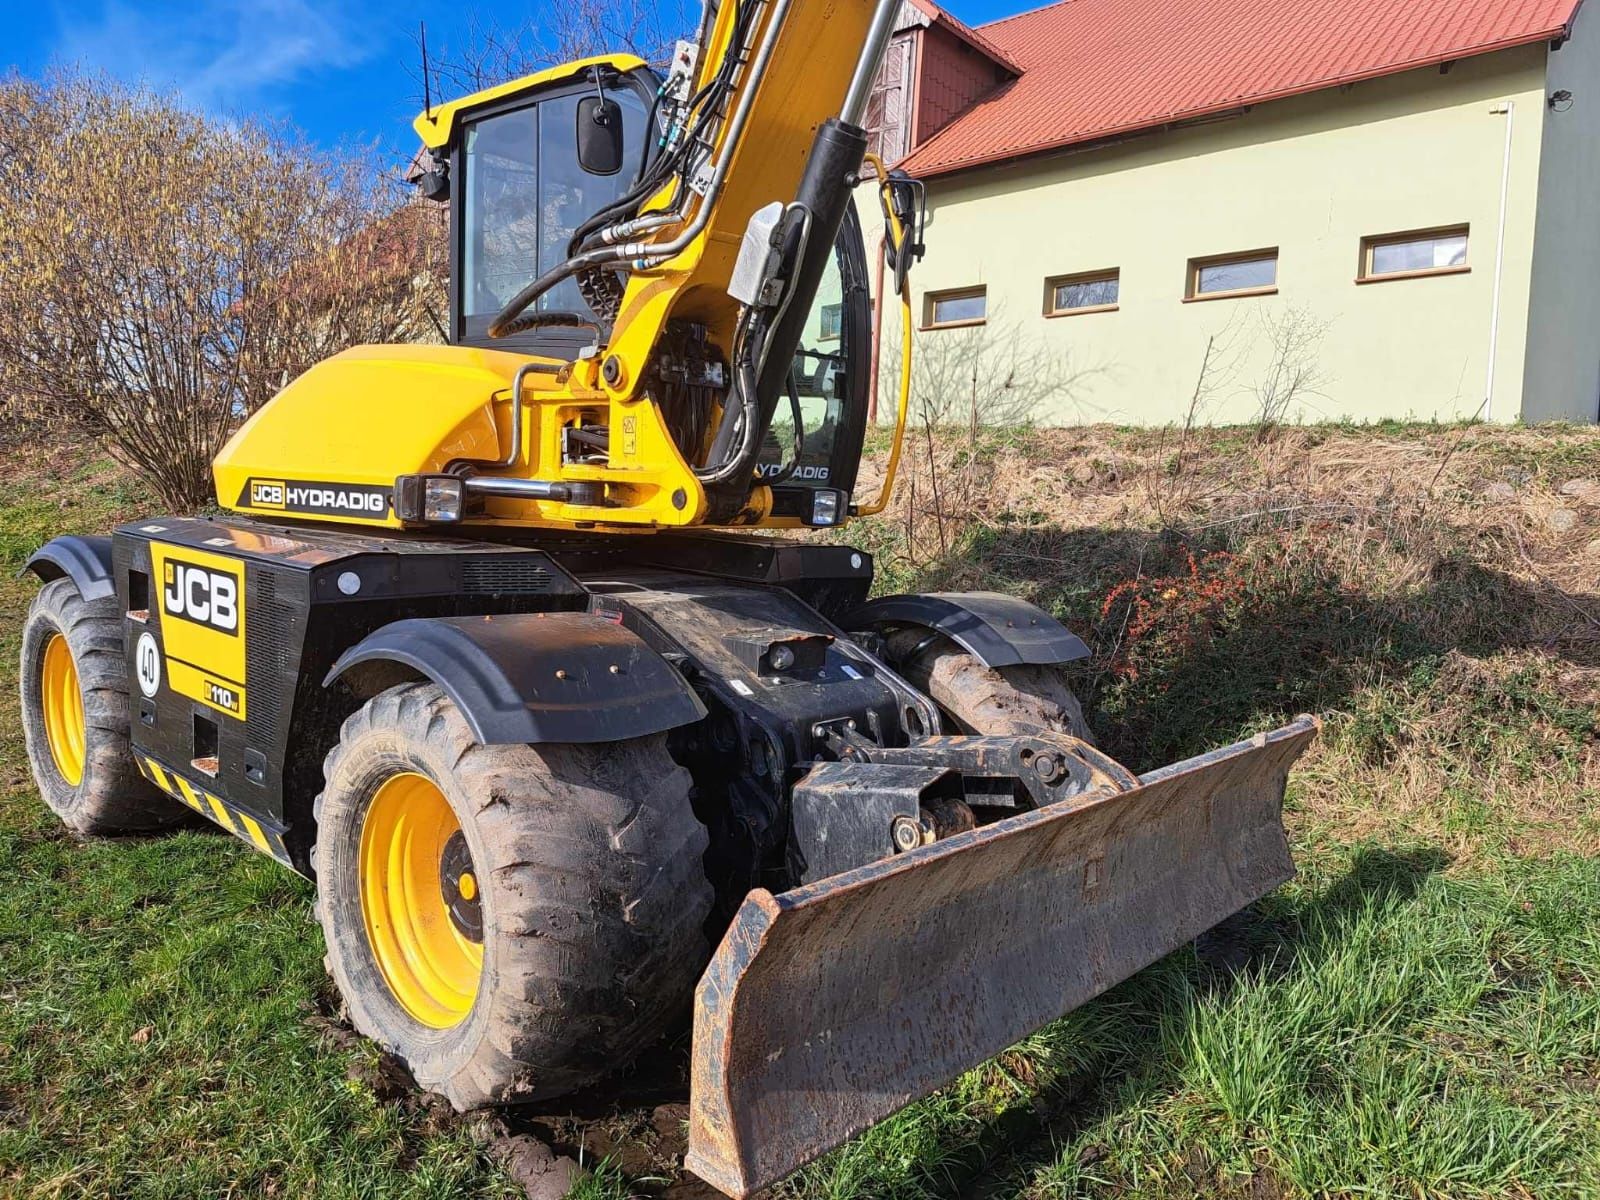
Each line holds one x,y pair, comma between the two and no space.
820,380
525,195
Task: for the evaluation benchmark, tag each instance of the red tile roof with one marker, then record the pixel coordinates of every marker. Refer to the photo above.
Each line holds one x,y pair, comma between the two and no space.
1094,69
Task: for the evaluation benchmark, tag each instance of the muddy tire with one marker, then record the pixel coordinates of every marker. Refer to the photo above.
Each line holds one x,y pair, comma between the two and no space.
75,717
994,702
513,922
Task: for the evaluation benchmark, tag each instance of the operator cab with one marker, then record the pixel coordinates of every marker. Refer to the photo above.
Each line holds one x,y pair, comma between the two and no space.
524,171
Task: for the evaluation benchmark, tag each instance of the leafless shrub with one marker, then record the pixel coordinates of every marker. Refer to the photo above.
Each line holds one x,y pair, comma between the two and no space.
163,274
1294,373
1175,482
974,390
988,376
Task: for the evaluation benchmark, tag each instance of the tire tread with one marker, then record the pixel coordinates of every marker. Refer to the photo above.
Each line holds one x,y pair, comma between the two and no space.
600,898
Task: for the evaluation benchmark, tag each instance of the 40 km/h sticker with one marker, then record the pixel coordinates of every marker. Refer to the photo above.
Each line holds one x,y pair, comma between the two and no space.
147,665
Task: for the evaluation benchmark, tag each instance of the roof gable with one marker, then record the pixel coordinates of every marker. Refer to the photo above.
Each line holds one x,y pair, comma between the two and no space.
1094,69
933,15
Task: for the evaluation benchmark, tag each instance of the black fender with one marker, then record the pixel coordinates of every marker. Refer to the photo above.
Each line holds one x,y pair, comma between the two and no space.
84,560
530,677
996,629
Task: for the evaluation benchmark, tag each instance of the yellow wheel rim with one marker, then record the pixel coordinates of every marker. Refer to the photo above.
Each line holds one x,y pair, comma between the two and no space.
415,879
63,709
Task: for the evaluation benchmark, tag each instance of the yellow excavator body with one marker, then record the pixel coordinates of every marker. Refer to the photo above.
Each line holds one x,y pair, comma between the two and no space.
379,412
374,400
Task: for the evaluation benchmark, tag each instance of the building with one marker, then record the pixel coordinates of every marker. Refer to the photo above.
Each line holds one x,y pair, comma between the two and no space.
1298,209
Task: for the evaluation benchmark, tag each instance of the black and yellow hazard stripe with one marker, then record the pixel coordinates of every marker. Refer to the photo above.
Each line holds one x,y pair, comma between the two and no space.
235,820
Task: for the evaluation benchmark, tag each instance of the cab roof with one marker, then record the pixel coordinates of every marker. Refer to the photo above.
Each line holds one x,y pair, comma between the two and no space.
437,126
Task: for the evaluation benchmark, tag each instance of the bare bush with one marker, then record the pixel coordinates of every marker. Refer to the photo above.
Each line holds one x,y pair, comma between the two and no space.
1174,483
987,376
1272,356
973,389
1294,373
164,274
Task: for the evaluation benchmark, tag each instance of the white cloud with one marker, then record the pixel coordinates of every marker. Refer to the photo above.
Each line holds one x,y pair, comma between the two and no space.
221,55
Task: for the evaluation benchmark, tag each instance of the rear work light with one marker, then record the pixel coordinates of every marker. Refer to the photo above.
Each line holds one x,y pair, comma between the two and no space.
433,499
828,507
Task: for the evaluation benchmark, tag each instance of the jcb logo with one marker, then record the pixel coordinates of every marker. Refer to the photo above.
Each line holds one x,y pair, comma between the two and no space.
209,598
267,493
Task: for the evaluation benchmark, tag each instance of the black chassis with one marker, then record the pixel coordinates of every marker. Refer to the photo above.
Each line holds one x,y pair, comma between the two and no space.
804,744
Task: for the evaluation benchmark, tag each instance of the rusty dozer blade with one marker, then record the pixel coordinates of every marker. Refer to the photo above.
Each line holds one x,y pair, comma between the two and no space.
829,1007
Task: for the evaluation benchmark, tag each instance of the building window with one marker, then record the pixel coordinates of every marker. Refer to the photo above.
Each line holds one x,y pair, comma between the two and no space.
962,306
832,320
1252,274
1407,255
1092,291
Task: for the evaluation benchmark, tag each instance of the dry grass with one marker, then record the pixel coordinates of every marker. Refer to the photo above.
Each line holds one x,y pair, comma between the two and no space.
1416,1015
1433,593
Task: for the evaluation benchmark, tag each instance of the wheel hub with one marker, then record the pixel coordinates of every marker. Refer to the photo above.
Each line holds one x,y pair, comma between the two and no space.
458,884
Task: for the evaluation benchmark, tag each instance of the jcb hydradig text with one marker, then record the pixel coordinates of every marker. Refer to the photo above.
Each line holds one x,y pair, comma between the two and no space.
477,651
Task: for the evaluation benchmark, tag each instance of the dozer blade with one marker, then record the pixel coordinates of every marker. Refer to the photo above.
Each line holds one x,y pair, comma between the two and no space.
829,1007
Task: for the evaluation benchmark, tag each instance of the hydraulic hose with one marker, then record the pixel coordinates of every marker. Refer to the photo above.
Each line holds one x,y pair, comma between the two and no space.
724,461
797,415
652,254
898,234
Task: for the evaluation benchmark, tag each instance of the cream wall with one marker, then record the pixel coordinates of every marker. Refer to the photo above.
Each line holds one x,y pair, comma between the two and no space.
1311,176
1563,373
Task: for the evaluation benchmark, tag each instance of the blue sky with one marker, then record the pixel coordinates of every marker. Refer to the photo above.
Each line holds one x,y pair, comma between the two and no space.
339,69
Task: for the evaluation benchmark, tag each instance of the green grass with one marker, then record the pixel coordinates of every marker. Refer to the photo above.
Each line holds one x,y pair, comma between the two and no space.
1394,1031
1417,1015
155,993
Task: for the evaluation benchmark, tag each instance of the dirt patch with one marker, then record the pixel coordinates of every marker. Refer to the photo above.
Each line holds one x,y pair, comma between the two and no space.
638,1119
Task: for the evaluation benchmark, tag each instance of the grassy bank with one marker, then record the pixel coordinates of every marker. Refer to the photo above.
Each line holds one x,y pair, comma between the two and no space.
1415,1015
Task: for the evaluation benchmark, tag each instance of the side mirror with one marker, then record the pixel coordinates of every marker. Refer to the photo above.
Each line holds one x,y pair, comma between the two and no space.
599,135
435,185
430,172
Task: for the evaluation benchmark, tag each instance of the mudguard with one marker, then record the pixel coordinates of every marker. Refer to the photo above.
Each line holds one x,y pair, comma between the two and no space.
828,1007
84,560
535,677
998,630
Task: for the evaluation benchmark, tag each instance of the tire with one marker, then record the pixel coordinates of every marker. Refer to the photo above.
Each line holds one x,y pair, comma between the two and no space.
989,701
76,718
590,895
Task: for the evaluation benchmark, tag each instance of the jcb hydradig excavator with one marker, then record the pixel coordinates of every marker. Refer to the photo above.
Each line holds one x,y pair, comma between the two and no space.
477,653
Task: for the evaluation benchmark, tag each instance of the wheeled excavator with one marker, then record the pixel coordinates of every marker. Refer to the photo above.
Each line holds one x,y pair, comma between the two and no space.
502,643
